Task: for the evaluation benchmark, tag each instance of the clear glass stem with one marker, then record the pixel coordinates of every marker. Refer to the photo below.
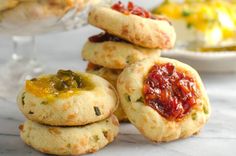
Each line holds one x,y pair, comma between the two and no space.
24,48
22,66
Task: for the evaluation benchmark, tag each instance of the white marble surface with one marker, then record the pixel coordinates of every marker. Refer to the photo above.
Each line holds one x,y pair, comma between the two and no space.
218,137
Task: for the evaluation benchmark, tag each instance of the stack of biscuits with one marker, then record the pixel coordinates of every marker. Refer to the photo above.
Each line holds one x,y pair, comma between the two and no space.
128,38
68,113
163,98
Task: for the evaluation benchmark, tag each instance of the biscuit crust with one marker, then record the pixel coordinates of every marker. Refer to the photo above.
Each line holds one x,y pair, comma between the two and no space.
148,121
111,76
116,55
69,140
6,4
145,32
84,107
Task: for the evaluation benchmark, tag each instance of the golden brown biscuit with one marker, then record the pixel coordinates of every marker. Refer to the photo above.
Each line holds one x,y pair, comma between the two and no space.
164,104
7,4
116,55
69,140
145,32
67,99
111,76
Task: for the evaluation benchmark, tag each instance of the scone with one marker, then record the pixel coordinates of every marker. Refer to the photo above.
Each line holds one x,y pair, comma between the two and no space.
112,52
67,99
69,140
164,98
134,24
111,76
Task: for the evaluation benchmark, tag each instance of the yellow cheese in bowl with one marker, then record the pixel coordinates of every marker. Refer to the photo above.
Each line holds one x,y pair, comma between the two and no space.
211,23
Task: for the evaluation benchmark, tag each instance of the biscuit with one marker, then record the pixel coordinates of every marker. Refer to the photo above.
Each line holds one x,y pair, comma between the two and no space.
95,100
6,4
145,32
153,125
69,140
116,55
111,76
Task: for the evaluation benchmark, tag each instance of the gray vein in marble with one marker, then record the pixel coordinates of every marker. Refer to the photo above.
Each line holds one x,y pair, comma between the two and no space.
5,134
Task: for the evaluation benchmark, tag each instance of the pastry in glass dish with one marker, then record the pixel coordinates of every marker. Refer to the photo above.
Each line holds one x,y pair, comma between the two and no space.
37,16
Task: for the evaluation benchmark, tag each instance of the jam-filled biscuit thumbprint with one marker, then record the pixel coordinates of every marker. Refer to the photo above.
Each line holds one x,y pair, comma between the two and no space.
134,24
67,98
164,98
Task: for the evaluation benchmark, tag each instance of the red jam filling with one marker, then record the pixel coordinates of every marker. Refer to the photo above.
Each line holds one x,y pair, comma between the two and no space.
171,93
131,9
92,66
103,37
